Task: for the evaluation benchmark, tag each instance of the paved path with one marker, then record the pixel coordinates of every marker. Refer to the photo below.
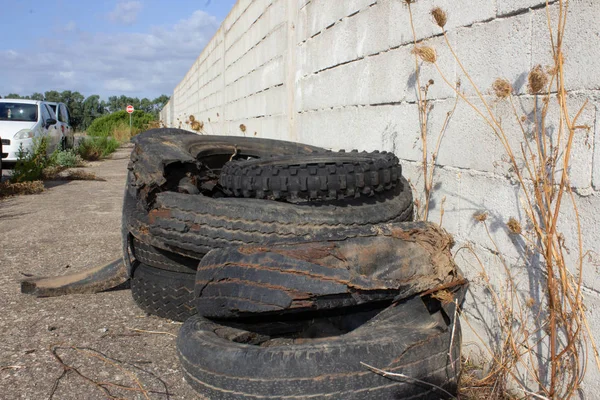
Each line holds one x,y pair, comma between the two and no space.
70,227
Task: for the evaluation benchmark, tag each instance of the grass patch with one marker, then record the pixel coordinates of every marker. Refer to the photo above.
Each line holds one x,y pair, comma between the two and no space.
96,148
79,175
117,125
16,188
67,159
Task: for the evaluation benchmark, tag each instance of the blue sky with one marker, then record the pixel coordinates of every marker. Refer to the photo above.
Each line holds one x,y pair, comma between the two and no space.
140,48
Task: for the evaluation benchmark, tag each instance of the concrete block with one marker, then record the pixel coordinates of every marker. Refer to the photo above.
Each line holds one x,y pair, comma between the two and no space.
238,9
501,200
390,128
385,78
460,13
266,103
468,133
273,127
508,7
273,16
444,202
266,76
484,271
372,27
321,14
272,46
391,76
332,47
245,20
499,48
580,171
587,208
581,49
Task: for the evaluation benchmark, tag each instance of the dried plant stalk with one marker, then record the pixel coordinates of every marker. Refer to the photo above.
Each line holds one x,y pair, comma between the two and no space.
542,172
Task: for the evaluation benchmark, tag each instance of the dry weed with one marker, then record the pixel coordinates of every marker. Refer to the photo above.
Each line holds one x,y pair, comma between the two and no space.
542,173
439,16
425,53
537,80
13,189
502,88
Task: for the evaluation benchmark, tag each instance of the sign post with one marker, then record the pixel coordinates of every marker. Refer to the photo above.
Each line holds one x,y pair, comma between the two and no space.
130,111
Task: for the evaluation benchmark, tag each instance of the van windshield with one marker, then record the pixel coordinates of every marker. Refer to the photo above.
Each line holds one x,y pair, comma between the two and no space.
18,112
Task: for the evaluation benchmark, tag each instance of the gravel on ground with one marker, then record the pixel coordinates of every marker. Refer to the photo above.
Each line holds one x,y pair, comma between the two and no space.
72,226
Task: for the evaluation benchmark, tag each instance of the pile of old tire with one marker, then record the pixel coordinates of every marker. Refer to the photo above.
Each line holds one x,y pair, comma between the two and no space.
306,320
177,206
293,268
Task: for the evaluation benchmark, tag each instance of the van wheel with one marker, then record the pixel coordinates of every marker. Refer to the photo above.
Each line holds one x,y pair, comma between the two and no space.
63,143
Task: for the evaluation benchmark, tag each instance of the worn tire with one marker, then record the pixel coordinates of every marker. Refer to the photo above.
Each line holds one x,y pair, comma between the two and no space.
407,338
161,157
230,284
385,262
194,225
167,294
320,176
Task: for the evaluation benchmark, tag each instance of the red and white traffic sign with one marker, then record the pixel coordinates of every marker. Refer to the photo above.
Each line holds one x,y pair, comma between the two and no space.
129,109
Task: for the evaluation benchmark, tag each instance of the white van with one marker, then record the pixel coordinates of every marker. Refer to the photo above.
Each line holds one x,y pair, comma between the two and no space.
62,116
24,121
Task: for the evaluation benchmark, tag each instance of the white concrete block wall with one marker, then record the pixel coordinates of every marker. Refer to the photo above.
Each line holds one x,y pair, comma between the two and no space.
340,74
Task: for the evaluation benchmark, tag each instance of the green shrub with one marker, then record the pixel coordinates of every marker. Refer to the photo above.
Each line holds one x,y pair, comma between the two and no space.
94,148
119,122
67,158
30,164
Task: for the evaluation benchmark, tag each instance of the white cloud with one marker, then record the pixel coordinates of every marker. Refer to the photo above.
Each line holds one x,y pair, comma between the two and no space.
138,64
119,85
125,12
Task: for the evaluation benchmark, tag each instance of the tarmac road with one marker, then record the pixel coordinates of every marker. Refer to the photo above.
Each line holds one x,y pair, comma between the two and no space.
68,228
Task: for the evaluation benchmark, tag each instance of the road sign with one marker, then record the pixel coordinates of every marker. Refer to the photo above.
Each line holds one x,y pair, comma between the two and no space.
129,109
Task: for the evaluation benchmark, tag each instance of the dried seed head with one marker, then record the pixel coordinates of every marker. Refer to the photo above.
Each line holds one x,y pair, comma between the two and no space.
537,79
409,1
514,226
431,82
502,88
192,118
242,127
426,53
439,16
530,302
197,125
480,216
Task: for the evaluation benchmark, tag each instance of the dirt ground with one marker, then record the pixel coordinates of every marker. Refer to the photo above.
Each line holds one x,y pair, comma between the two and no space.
68,228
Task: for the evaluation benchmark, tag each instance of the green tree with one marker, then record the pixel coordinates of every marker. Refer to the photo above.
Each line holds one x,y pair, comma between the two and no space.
146,105
13,96
160,102
92,109
74,102
37,96
52,95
